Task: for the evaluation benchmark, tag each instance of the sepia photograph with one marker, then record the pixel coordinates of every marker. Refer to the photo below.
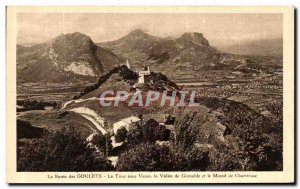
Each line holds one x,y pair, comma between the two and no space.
154,92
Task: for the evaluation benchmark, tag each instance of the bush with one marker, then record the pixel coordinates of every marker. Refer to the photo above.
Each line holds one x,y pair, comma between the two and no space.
145,157
62,150
148,130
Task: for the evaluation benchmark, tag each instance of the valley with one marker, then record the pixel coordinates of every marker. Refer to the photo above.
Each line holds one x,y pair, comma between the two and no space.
240,99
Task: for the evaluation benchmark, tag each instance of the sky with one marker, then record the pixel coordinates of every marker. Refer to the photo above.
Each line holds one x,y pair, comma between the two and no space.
216,27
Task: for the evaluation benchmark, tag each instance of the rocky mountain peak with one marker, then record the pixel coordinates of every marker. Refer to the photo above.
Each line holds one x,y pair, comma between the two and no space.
71,57
74,52
136,34
72,40
190,38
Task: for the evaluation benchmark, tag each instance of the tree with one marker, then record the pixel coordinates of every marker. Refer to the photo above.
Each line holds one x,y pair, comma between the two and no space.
150,157
134,135
108,145
187,129
62,150
276,109
121,135
128,74
143,157
148,130
103,143
99,141
161,133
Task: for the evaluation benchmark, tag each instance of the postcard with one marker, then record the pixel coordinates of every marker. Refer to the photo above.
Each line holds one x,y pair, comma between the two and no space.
150,95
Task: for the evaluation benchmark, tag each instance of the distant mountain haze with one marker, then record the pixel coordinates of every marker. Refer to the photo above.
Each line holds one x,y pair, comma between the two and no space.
258,47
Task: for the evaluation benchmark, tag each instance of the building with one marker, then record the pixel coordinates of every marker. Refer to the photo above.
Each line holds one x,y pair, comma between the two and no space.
126,123
48,108
168,121
144,75
127,64
20,108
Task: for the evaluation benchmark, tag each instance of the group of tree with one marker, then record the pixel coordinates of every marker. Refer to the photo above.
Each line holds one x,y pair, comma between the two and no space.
103,143
153,157
148,132
178,154
63,150
253,143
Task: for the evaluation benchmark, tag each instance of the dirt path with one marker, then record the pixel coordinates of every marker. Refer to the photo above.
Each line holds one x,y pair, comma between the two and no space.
92,116
64,105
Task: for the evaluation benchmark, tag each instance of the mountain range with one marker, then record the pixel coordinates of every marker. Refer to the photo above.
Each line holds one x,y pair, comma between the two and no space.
192,47
188,53
74,57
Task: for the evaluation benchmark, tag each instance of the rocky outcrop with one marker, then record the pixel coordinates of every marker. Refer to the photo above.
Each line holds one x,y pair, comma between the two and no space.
69,57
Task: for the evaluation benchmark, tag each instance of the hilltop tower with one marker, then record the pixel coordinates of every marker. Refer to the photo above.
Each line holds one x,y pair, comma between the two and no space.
127,64
144,75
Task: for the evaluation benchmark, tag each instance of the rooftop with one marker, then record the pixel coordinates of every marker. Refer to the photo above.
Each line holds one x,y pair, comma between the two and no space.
131,119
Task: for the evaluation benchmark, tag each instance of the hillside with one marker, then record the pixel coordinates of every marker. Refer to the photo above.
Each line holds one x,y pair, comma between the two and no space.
140,47
69,57
232,134
238,137
119,79
190,52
